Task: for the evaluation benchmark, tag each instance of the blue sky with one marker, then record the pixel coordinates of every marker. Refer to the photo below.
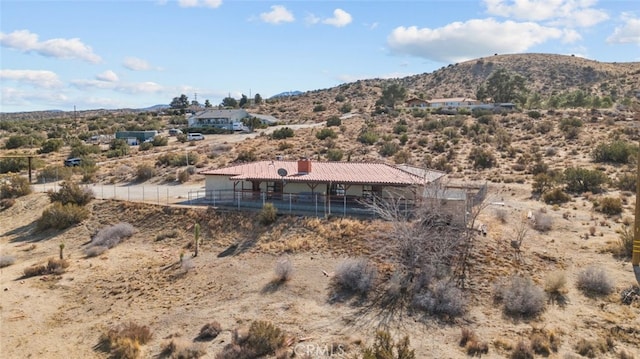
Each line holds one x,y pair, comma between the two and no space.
134,54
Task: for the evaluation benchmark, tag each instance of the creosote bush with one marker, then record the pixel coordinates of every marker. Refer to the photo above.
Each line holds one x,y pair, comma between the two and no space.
354,275
609,205
522,351
145,172
60,216
177,348
262,339
594,281
14,186
72,193
209,331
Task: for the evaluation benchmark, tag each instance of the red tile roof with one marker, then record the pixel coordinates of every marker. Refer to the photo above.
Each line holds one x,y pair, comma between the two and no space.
322,172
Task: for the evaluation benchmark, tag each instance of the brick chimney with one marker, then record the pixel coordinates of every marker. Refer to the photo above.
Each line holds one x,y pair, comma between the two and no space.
304,165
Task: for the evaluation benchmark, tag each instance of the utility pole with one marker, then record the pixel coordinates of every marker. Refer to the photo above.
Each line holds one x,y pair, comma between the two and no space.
635,253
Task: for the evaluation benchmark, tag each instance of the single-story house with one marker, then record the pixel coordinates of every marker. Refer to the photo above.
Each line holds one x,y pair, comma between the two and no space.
136,137
454,102
304,181
416,103
225,119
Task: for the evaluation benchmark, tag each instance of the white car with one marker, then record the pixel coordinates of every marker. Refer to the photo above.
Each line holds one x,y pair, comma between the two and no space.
195,136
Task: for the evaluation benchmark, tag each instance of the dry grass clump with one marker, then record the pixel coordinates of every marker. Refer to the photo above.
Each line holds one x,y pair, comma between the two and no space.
268,214
177,348
6,260
521,297
109,237
173,233
354,276
594,281
385,347
124,341
209,331
473,346
522,351
262,339
53,266
623,248
593,348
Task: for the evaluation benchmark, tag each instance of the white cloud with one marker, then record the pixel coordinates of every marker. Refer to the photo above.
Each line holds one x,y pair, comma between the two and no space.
574,13
19,98
200,3
311,19
26,41
460,41
340,18
107,76
140,87
629,33
37,78
136,64
278,14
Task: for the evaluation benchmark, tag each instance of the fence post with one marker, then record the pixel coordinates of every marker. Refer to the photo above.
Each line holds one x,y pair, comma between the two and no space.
264,198
238,200
290,202
316,205
344,210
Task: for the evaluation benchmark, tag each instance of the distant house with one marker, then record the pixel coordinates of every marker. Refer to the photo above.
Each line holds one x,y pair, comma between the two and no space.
454,102
416,103
136,137
226,119
304,186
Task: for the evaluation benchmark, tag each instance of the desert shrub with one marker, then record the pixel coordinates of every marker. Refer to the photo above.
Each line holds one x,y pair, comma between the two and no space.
334,121
319,108
6,260
389,148
544,126
81,150
522,298
534,114
184,176
95,251
145,172
542,183
580,180
623,248
609,205
283,270
334,154
627,182
570,127
177,159
482,158
522,351
264,338
209,331
61,216
543,222
54,173
15,186
52,145
555,283
326,133
268,214
354,275
171,233
124,341
281,133
385,348
556,196
246,156
72,193
6,203
112,235
13,165
177,348
53,266
160,141
368,137
594,281
444,299
477,348
591,348
613,152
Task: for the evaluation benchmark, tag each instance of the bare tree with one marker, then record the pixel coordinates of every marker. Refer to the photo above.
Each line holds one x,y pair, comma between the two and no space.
519,234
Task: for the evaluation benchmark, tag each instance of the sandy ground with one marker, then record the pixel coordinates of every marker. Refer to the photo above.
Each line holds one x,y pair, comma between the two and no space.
140,279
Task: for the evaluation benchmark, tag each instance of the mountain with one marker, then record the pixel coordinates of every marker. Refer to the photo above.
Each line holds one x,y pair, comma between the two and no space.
287,94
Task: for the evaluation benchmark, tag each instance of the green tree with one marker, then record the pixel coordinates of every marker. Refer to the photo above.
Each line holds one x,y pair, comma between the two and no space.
257,99
502,86
392,94
229,102
580,180
243,101
180,103
207,104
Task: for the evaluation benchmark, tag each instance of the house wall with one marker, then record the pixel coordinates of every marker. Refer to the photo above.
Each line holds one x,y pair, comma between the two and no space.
216,183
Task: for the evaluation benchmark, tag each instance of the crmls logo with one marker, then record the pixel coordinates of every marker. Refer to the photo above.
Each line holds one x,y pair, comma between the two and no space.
320,350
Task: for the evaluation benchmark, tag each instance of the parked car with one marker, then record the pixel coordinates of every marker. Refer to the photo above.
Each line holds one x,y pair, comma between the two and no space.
72,162
175,132
195,136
